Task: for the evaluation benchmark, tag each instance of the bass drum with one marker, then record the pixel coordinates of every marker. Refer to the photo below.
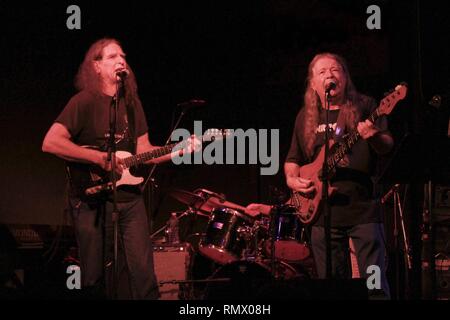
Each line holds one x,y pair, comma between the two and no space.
244,280
199,270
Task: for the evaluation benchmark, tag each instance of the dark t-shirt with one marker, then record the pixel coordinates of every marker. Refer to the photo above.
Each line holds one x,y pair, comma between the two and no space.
353,203
86,117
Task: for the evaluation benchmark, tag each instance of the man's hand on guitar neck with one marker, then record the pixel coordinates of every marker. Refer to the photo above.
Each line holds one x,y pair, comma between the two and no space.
193,144
367,129
381,142
190,145
299,184
106,165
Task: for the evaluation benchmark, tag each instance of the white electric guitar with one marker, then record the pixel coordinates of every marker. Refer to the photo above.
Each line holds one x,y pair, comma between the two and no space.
91,180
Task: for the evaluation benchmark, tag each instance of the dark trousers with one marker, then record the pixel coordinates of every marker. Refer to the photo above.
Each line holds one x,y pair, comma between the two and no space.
368,240
94,232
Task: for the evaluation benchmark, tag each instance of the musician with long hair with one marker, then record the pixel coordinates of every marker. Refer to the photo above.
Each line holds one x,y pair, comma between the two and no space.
85,121
354,212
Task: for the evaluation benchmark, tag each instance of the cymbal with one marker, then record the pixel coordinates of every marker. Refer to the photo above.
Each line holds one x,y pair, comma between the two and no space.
204,200
195,201
186,197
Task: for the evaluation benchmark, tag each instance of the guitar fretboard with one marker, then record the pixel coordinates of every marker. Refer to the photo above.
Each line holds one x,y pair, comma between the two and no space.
348,142
149,155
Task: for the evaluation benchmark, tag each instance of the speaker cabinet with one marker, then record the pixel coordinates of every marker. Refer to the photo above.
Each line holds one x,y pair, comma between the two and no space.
171,270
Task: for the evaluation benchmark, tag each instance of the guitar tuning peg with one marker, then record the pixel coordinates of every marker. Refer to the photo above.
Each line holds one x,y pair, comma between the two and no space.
391,91
386,94
400,85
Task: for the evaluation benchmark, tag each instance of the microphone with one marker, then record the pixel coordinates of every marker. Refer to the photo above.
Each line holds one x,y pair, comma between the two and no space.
192,103
330,86
122,73
436,101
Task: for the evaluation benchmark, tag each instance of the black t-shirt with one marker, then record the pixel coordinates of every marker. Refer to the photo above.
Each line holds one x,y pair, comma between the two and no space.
86,117
353,203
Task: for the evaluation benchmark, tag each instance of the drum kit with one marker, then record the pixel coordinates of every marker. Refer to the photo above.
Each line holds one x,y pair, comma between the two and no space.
239,254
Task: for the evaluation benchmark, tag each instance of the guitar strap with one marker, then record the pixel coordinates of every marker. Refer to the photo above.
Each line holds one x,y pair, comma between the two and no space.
132,126
340,126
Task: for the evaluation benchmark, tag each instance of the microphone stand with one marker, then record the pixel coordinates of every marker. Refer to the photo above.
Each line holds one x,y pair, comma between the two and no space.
325,185
111,157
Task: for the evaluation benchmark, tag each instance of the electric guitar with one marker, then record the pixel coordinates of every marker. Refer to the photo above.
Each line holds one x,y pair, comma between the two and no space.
89,180
309,204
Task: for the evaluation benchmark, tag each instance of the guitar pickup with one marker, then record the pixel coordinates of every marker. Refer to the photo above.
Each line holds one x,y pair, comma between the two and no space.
94,190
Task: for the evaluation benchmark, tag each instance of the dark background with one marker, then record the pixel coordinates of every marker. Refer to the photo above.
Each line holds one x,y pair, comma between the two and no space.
247,59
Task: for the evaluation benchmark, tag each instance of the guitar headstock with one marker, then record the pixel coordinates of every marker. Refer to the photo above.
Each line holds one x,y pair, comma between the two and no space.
216,134
388,103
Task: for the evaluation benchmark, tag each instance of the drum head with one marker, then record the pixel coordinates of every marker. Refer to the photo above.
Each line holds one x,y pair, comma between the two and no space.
223,242
217,254
289,251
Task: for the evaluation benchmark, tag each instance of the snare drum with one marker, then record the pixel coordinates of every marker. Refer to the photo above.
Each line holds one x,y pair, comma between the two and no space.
226,235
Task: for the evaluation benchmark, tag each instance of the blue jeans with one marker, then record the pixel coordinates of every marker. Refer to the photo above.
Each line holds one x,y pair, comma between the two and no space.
94,232
368,240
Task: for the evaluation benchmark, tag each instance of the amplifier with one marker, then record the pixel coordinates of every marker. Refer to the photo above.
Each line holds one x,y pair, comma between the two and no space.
171,269
442,277
442,197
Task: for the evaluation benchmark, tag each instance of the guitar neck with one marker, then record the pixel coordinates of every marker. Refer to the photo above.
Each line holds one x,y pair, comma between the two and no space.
149,155
347,144
210,135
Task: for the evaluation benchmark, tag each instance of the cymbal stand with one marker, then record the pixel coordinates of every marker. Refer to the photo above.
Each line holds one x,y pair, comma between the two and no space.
164,227
398,218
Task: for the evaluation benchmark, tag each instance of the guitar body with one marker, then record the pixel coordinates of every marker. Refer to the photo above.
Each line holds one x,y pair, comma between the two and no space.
126,177
89,180
309,205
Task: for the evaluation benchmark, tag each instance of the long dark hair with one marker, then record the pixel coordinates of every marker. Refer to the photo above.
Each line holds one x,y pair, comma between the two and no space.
88,79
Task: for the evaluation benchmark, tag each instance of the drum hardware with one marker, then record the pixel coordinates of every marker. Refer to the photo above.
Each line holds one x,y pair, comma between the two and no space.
164,227
245,233
254,243
236,245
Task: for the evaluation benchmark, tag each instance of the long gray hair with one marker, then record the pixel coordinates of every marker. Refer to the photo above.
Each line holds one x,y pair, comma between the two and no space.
312,104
